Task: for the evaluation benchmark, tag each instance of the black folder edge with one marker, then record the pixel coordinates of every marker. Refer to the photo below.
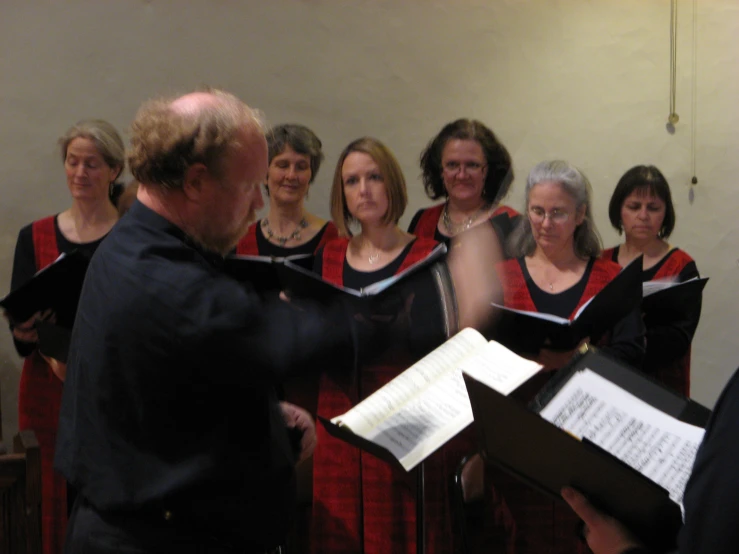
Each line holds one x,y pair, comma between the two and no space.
52,279
53,340
636,382
302,283
567,337
346,435
675,295
646,508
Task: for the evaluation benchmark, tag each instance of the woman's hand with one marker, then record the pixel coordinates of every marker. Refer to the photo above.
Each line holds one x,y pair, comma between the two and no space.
59,368
603,534
300,420
552,360
26,331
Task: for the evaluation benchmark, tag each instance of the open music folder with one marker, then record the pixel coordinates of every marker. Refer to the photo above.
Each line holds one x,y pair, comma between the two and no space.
416,413
295,277
525,331
605,429
57,287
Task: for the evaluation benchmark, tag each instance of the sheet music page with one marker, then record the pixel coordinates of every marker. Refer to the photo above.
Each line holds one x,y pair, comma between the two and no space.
426,422
499,368
537,315
656,285
657,445
416,379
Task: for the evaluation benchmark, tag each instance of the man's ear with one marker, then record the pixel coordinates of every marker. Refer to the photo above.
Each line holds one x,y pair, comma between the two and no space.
197,177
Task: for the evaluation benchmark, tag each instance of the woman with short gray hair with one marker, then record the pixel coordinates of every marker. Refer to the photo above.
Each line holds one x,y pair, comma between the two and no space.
288,229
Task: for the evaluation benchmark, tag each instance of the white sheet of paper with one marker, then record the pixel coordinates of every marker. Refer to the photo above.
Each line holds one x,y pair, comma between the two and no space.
659,446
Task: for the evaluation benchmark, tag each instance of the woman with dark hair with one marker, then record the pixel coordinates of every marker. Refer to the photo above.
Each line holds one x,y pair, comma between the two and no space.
555,269
93,155
466,164
362,504
295,156
641,208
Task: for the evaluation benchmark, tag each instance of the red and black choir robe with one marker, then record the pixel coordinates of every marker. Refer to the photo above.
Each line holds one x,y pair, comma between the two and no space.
527,521
425,222
39,400
669,341
362,504
249,244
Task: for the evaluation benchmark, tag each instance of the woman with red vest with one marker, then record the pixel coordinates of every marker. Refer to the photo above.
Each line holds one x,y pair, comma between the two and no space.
641,208
555,268
288,229
362,504
93,156
466,164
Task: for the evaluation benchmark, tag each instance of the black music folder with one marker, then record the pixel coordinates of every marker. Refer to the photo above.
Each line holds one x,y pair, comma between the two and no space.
523,443
53,340
264,272
529,332
670,298
57,286
298,282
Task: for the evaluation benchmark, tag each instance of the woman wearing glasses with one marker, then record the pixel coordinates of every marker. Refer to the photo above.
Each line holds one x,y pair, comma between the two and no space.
641,208
466,164
555,269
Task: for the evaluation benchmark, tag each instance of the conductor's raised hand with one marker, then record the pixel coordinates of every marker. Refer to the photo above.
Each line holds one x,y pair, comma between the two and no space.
604,534
471,261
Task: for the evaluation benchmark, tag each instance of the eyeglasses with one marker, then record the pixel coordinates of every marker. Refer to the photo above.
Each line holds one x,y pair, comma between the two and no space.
537,215
470,168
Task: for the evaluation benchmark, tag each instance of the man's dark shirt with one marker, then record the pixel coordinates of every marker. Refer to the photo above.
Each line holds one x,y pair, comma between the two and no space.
169,400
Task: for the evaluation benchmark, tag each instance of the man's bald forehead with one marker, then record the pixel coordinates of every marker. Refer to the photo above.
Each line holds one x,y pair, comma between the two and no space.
194,102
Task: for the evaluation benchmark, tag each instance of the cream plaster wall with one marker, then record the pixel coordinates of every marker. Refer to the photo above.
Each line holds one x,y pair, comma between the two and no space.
585,80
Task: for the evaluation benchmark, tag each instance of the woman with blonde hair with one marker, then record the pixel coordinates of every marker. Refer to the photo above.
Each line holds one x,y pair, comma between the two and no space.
362,504
93,155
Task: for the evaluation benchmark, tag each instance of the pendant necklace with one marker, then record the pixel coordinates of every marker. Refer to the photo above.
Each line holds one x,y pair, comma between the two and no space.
454,228
373,258
295,235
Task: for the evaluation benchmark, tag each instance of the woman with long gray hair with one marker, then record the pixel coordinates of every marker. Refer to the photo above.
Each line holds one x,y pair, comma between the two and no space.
555,269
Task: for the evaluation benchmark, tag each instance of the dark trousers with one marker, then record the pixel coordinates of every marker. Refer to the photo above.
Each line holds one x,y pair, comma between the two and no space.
93,532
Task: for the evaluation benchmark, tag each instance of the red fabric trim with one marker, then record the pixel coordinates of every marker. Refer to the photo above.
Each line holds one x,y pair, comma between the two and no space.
362,504
516,293
329,234
528,522
247,246
427,223
429,219
332,263
607,254
39,400
676,374
503,209
674,264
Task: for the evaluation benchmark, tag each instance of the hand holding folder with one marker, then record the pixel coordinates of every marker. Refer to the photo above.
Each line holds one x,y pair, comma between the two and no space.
604,429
